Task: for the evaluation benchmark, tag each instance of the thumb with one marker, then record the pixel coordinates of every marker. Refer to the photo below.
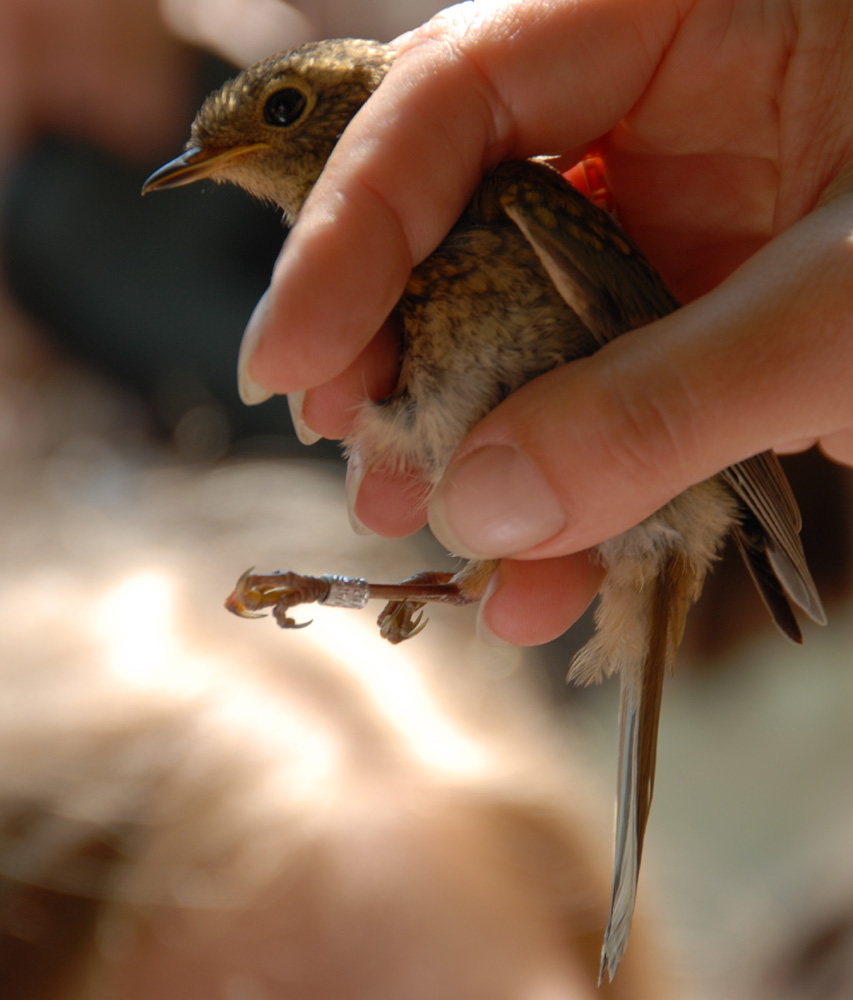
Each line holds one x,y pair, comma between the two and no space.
573,458
589,449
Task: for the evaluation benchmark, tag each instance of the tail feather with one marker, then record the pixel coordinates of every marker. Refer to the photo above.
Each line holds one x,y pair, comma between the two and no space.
666,601
654,573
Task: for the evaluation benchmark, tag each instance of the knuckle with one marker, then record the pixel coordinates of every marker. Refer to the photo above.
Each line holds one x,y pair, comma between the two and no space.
652,426
453,40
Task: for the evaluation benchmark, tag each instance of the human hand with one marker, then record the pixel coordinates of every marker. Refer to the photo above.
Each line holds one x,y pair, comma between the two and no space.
720,136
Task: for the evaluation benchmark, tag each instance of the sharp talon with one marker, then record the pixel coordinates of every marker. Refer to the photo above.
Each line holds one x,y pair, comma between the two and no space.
416,620
399,624
240,601
416,625
409,627
389,624
285,622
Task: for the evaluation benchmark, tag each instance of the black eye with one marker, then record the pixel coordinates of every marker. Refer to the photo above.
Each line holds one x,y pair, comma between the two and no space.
284,106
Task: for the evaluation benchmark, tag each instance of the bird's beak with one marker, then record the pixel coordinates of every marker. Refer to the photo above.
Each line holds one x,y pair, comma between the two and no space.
194,164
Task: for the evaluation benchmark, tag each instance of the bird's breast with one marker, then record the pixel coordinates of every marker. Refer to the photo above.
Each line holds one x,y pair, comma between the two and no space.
478,319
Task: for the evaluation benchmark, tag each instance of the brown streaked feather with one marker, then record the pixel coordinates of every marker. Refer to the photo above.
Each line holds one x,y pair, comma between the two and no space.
761,484
599,272
670,597
750,540
652,674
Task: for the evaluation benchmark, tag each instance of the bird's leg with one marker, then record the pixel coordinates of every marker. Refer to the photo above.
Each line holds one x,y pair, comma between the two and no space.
399,619
402,617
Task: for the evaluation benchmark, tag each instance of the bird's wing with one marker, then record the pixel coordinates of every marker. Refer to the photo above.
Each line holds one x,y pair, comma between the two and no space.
598,271
760,484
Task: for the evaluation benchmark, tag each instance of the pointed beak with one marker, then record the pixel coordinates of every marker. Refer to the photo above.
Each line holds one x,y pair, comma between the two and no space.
193,165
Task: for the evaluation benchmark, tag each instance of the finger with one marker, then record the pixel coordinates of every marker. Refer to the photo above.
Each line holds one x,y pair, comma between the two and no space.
839,446
330,409
485,83
534,602
385,503
590,449
794,447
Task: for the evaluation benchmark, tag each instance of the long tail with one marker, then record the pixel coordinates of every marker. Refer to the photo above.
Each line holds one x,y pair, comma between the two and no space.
657,610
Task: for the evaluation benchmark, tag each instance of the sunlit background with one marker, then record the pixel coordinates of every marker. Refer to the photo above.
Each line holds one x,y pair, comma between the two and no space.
136,488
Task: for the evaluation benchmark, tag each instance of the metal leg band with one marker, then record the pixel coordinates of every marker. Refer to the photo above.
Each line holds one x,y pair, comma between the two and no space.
345,592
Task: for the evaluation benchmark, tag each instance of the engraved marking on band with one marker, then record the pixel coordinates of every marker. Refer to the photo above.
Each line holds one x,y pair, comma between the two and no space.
345,592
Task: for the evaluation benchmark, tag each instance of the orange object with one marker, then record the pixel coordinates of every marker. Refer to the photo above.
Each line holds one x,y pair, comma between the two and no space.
588,177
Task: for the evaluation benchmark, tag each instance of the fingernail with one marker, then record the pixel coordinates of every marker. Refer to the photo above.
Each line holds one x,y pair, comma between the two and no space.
355,476
484,632
250,392
295,400
494,503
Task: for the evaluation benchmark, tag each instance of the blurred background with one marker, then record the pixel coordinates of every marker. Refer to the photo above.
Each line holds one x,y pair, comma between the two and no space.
126,451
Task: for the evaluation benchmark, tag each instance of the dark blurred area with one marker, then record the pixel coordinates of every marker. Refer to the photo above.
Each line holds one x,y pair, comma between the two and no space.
154,293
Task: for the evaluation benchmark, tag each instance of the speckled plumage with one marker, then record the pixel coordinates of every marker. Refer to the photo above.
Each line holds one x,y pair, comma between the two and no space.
464,312
531,276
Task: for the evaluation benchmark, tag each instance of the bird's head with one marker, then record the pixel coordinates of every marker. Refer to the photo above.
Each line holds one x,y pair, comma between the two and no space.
271,129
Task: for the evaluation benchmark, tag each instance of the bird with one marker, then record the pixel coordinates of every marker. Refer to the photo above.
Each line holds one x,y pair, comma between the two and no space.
533,275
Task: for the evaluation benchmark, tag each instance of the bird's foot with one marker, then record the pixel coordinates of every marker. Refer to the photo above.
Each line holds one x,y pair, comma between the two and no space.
401,618
279,591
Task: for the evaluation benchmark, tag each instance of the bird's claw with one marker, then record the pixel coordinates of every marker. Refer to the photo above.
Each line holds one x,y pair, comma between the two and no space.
243,599
284,621
278,591
399,621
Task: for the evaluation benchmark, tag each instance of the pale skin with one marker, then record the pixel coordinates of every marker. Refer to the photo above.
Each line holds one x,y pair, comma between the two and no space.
727,131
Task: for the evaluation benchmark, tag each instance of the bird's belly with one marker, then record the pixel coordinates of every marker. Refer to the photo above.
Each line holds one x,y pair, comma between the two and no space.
479,318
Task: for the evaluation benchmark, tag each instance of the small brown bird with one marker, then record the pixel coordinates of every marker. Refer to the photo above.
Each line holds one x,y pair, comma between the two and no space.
531,276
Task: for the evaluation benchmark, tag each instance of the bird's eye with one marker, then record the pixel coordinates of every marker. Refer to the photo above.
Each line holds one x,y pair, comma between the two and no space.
284,107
